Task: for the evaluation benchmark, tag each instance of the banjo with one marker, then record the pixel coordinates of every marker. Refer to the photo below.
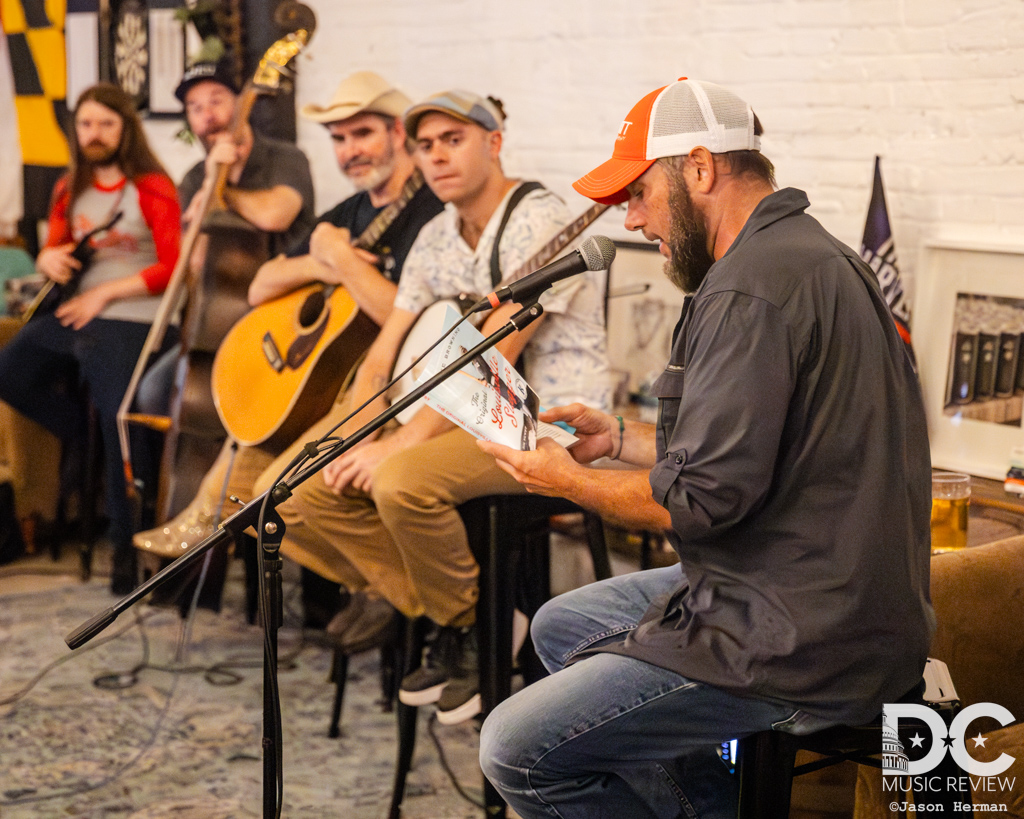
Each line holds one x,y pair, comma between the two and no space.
428,327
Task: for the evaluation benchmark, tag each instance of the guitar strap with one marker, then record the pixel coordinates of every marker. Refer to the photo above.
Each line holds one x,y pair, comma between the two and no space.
383,220
514,199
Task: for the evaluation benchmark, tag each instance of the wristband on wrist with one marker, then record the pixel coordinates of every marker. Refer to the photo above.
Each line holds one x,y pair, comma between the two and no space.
622,430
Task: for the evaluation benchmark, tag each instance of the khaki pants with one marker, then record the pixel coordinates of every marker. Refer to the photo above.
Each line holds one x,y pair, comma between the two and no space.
405,539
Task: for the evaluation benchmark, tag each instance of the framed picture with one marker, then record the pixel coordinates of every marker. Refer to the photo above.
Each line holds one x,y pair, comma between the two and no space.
129,49
167,43
969,340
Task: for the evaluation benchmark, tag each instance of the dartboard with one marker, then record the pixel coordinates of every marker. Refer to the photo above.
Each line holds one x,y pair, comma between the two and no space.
130,40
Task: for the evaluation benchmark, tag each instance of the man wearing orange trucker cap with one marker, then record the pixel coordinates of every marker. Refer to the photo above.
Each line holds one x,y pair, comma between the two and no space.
789,466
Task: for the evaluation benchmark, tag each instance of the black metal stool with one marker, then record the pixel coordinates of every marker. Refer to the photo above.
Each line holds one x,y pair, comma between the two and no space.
509,537
765,761
394,656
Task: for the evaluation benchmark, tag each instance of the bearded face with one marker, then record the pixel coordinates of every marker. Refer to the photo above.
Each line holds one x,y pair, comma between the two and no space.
98,130
99,153
367,173
688,239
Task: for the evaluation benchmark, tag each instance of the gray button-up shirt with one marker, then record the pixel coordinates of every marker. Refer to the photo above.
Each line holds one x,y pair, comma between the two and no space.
793,457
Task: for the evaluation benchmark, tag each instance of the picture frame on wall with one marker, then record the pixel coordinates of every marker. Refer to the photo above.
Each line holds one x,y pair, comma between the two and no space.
143,51
129,45
168,43
968,331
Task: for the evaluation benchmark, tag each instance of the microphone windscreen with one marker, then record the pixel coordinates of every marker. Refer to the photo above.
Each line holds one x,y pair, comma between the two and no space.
598,252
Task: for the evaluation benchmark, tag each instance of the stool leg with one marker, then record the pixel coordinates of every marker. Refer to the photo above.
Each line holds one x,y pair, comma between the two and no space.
339,675
764,768
93,464
415,634
390,663
598,546
498,562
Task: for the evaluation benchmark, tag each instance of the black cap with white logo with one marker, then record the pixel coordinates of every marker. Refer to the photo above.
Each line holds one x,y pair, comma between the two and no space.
220,71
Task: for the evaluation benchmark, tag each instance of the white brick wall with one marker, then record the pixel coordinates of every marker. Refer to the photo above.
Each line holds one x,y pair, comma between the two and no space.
936,87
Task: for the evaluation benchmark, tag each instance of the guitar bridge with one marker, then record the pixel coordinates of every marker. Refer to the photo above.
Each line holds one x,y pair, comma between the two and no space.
271,353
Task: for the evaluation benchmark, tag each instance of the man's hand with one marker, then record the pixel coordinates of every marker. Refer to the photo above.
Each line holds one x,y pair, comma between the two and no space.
598,432
57,264
332,247
357,467
547,470
620,496
225,151
80,310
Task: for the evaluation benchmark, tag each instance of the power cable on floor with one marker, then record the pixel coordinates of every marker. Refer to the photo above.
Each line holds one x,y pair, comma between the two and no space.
460,789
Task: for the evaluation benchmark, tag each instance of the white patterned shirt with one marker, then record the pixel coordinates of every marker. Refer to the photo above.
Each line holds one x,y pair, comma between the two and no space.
567,358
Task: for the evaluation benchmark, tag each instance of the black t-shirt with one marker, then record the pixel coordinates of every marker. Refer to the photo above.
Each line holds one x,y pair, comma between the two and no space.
356,213
270,163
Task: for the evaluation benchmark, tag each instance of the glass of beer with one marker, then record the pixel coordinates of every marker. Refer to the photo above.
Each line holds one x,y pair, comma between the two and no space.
951,493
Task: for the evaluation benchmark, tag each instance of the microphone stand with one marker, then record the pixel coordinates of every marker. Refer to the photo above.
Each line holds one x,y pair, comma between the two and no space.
269,543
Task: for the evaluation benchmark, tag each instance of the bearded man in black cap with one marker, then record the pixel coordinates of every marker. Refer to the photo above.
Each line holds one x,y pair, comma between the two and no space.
269,184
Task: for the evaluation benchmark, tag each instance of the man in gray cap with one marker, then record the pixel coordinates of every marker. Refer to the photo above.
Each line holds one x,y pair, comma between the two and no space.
364,121
382,518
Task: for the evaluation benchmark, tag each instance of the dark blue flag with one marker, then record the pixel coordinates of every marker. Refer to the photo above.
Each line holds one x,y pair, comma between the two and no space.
878,250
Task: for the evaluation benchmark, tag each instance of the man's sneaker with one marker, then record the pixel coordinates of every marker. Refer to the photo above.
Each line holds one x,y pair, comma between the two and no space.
460,700
452,649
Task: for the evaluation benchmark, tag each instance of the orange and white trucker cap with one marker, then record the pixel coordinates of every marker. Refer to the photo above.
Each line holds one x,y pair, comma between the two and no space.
671,121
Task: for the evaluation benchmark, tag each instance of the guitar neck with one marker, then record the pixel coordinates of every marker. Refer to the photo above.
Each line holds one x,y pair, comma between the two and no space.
561,240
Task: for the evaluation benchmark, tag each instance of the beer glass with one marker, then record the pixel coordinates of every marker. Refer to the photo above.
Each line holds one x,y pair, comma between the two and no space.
951,493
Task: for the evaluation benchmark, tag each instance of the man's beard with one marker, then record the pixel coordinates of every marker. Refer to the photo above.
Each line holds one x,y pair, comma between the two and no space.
99,154
376,176
687,240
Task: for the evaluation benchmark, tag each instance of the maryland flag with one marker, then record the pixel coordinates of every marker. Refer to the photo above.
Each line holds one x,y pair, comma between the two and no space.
878,250
35,44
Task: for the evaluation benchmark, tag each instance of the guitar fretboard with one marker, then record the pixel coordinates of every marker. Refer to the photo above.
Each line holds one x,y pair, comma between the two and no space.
560,240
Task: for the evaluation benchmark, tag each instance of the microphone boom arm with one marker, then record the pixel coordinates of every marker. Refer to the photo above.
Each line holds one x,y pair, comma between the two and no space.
249,514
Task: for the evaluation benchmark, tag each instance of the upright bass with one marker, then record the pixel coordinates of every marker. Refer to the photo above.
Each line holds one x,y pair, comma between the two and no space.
213,298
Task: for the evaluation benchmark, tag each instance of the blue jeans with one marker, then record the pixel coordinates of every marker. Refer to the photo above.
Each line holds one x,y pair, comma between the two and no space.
610,736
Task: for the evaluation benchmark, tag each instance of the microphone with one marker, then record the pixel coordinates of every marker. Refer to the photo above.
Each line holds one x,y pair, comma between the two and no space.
596,253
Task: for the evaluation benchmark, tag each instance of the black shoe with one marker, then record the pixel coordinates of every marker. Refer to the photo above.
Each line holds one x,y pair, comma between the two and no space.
365,623
451,656
460,700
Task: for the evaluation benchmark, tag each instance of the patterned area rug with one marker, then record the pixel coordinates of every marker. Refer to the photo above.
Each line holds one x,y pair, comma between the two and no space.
84,734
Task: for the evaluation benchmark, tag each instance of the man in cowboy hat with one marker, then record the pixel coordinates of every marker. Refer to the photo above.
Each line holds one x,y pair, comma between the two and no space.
364,122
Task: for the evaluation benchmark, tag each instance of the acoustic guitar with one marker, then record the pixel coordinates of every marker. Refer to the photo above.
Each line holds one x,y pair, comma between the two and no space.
280,367
427,328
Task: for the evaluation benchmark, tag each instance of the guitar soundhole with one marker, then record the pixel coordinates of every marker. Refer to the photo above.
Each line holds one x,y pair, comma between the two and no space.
312,308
